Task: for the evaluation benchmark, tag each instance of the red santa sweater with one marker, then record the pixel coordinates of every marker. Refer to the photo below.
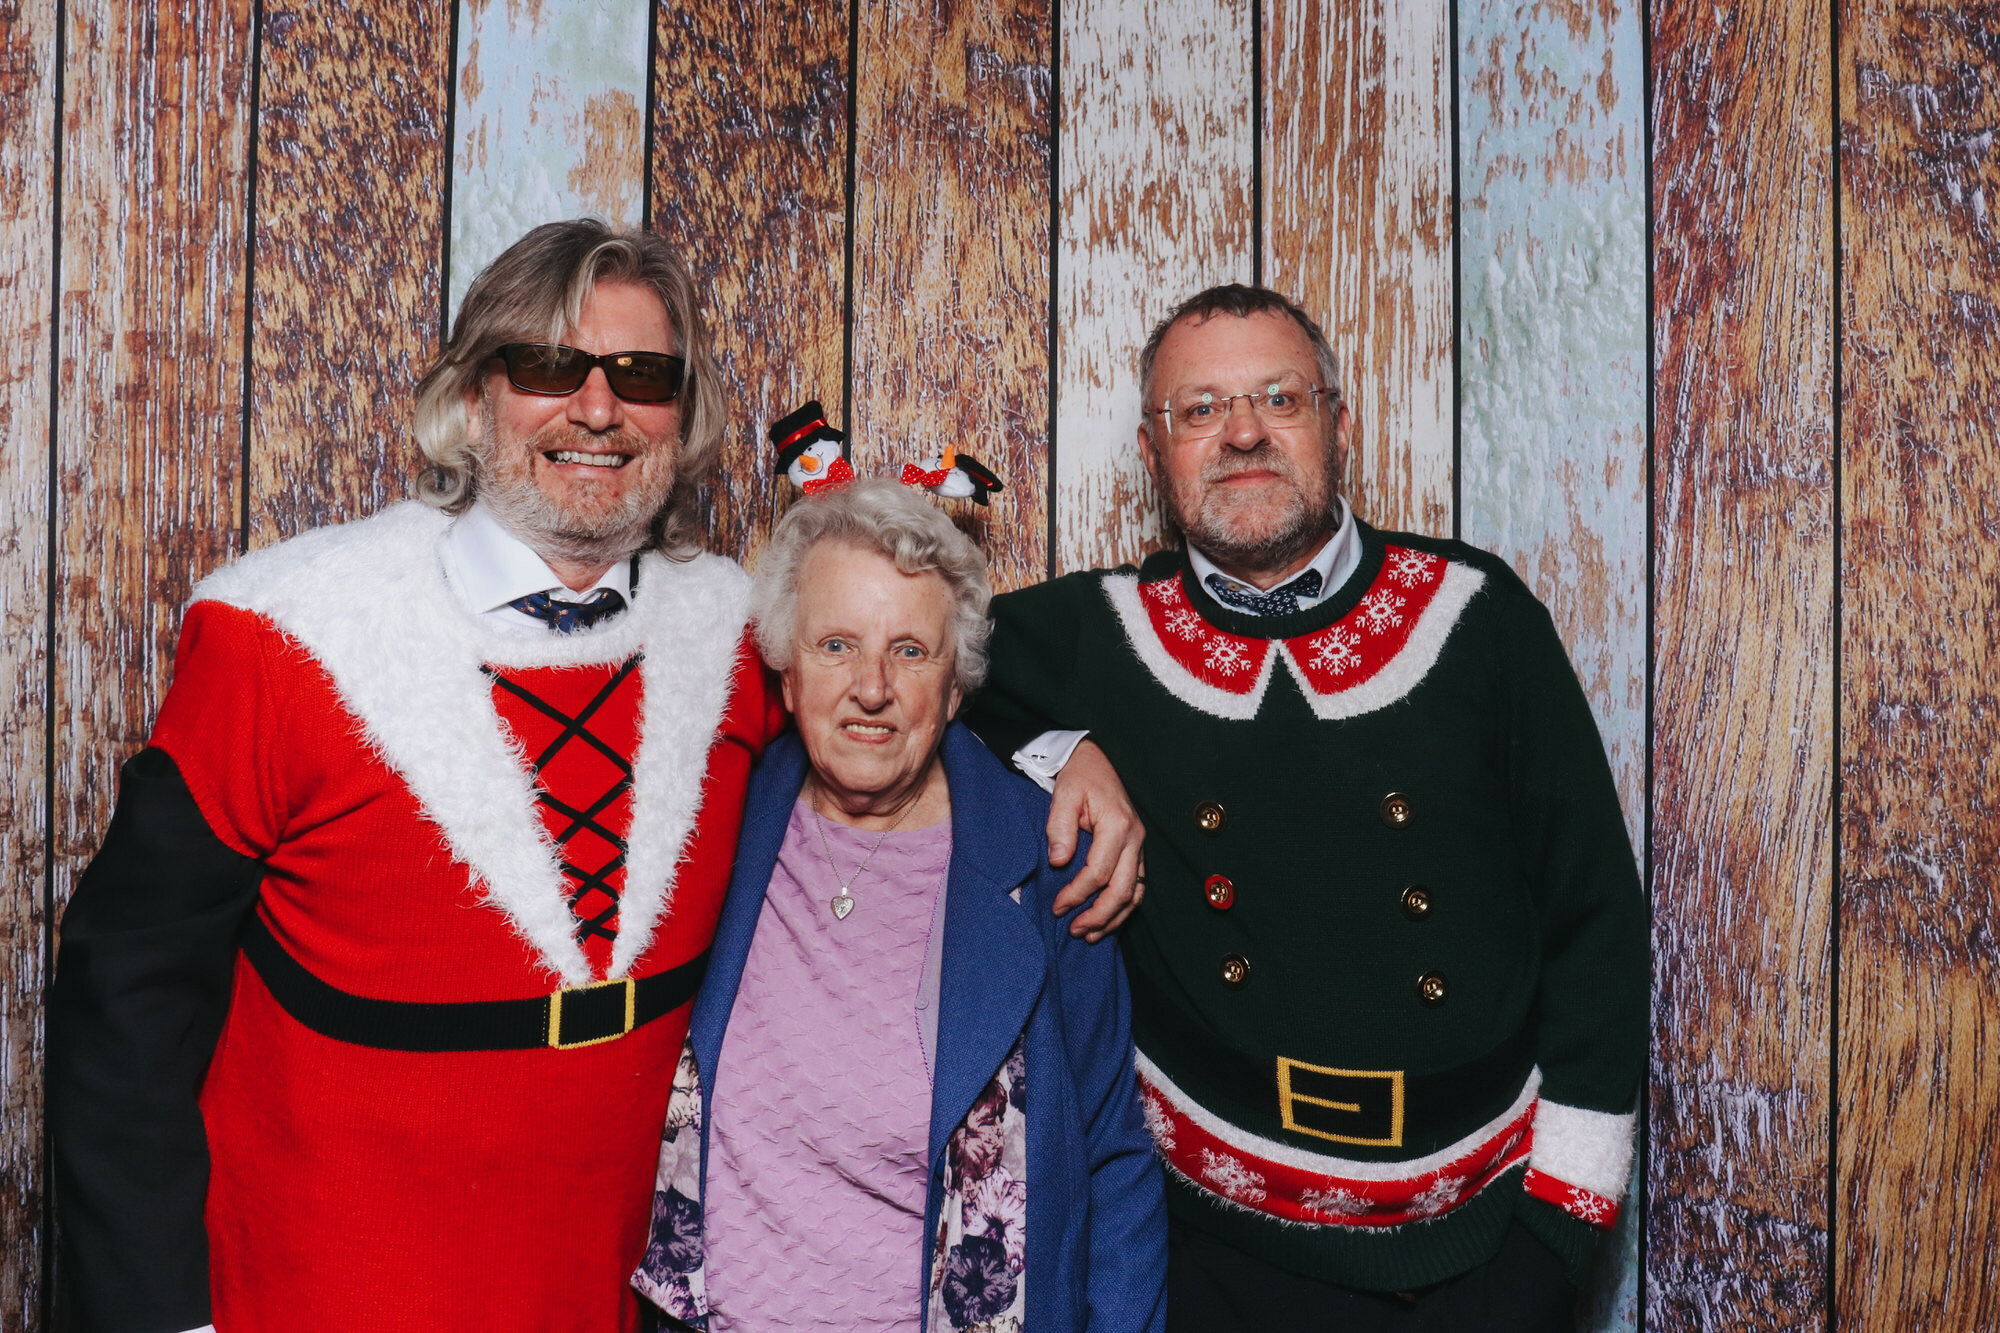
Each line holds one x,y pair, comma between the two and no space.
331,715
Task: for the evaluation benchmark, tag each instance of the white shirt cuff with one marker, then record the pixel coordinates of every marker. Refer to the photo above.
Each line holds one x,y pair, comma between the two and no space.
205,1328
1043,757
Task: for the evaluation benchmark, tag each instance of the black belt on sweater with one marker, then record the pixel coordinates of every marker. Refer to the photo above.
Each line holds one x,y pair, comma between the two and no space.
580,1016
1382,1108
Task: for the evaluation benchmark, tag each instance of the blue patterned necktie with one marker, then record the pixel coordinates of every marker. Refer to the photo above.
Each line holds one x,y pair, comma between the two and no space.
568,617
1280,601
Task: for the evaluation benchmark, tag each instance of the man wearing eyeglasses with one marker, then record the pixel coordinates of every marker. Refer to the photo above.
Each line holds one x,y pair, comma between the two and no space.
1389,980
365,1013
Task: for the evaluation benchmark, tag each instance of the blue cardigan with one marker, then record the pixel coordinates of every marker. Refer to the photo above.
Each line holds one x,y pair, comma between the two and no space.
1096,1225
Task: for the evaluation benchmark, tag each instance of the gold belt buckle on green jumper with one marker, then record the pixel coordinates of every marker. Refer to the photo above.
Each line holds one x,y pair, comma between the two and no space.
556,1013
1356,1093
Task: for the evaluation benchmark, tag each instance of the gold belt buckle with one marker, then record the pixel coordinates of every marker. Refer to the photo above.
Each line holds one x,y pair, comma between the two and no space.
556,1008
1326,1081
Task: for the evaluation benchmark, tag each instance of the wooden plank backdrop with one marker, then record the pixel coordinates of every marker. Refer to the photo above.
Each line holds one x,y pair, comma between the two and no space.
550,121
1552,353
349,250
1357,227
1156,204
1916,1225
1743,547
954,139
772,141
28,175
957,223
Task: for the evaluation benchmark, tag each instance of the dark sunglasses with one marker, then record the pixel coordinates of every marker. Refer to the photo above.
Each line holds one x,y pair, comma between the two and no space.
551,368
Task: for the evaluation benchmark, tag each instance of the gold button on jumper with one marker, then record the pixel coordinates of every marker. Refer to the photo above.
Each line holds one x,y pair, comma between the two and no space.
1209,817
1431,989
1396,810
1221,893
1416,902
1235,971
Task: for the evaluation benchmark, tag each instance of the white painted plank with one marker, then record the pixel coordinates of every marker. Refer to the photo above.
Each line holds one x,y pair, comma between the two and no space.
549,121
1155,205
1552,329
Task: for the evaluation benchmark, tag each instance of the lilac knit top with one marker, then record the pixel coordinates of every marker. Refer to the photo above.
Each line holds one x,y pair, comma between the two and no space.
820,1116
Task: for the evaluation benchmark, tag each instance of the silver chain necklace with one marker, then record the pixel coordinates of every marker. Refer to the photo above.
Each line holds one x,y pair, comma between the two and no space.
842,902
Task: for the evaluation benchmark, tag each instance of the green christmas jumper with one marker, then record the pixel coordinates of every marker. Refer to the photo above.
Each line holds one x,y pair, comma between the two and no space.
1390,975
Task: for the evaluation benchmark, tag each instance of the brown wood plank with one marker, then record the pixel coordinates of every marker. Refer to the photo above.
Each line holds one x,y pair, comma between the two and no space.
27,229
1918,1204
1743,690
951,255
150,358
1358,229
351,182
1156,160
749,179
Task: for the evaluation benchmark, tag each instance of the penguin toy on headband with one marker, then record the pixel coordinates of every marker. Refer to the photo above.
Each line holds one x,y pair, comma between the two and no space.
953,476
811,453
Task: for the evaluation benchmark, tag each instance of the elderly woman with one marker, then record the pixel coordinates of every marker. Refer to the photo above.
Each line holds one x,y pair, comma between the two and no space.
887,985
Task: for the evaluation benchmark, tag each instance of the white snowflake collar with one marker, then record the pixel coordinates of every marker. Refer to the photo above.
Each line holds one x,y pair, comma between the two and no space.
1367,659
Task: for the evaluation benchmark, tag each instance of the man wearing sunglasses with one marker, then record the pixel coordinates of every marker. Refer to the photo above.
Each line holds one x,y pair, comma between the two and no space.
366,1012
1389,981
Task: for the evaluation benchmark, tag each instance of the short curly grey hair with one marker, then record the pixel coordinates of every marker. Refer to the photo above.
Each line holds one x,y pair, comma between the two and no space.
893,521
534,292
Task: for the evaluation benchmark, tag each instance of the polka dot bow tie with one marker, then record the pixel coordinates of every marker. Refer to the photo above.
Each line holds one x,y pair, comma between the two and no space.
568,617
1280,601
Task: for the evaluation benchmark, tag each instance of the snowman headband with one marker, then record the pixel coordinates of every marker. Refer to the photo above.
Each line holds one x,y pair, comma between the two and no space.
798,431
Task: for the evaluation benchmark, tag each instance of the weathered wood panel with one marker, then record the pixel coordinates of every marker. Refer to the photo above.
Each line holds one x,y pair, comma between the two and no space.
1358,229
1743,685
749,180
1552,347
150,357
28,77
954,134
351,181
1918,1210
550,122
1156,205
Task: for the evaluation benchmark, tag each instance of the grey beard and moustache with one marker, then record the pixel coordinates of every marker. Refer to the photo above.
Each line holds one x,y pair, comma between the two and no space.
551,532
1301,527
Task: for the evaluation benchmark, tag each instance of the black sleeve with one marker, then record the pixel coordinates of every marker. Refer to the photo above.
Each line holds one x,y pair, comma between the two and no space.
142,985
1030,659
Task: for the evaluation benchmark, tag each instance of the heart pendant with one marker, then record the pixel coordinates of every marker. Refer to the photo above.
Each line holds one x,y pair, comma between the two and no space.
842,905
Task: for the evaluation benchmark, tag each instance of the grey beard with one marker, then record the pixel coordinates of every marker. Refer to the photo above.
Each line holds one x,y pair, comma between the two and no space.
526,512
1301,530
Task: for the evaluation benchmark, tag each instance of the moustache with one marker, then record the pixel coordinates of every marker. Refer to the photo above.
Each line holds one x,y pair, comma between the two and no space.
567,435
1263,458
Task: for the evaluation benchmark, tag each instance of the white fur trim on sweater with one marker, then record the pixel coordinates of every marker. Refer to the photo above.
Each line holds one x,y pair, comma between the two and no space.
371,602
1123,592
1328,1164
1588,1148
1410,665
1413,661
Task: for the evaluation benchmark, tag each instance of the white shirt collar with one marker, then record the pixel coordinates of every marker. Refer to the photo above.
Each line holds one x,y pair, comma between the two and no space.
490,567
1336,562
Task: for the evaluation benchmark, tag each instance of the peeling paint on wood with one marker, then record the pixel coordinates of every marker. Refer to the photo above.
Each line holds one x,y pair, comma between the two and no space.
749,180
351,180
1358,229
1552,347
1156,192
1743,689
951,255
1918,1172
550,121
27,200
148,431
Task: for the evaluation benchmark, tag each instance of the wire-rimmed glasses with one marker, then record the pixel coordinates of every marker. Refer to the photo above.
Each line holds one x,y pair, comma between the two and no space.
1196,414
